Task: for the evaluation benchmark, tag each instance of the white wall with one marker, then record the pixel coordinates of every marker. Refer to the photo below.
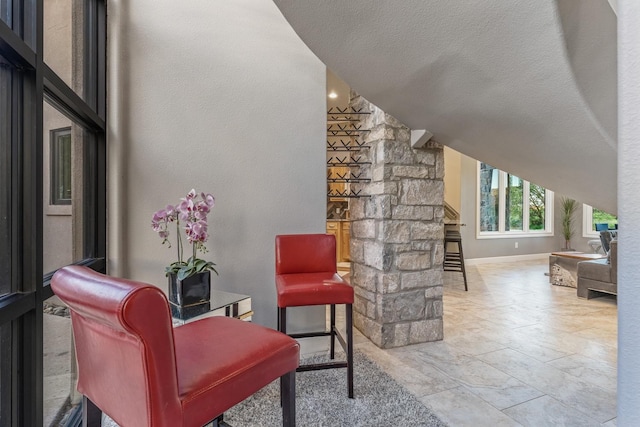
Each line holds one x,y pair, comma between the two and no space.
452,174
628,183
222,97
57,230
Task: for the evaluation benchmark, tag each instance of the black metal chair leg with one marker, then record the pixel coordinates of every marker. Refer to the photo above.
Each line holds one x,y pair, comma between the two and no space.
464,271
288,398
282,319
278,320
332,329
91,414
349,325
345,342
282,327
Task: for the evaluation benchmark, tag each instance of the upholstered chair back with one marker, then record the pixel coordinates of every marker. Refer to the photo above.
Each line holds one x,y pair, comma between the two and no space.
605,238
309,253
124,343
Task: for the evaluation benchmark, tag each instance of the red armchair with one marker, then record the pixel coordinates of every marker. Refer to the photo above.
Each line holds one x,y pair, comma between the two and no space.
139,370
306,274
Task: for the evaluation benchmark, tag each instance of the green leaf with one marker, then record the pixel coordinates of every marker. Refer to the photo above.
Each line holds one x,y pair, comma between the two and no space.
182,270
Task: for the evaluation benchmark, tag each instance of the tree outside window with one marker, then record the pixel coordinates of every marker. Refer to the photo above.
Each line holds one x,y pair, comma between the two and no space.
594,219
602,217
537,202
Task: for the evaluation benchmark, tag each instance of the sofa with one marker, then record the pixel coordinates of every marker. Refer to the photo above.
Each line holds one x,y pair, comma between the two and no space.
599,275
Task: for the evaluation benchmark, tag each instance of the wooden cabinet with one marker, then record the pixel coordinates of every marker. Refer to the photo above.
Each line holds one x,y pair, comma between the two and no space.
342,231
345,241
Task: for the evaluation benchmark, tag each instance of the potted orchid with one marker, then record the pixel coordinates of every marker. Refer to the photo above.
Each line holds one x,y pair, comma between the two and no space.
189,279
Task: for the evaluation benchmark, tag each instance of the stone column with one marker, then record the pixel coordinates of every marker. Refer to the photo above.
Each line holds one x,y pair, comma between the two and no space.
397,236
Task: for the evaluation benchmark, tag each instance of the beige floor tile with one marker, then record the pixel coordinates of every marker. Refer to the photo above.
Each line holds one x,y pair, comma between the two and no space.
460,407
504,394
602,335
570,343
546,411
594,371
591,400
474,344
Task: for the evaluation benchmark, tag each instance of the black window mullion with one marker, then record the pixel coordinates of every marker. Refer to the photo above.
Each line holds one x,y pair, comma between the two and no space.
90,41
101,63
59,94
15,305
17,18
14,49
31,324
16,176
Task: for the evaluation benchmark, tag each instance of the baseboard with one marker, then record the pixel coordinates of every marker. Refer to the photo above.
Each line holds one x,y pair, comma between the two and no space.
510,258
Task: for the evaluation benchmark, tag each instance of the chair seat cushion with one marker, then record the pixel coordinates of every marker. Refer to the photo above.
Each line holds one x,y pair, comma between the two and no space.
300,289
205,363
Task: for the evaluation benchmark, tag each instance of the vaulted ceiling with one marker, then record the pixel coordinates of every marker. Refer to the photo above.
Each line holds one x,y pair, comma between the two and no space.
526,86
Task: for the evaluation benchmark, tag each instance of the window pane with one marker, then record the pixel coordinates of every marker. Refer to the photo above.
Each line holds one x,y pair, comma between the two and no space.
537,200
6,79
489,197
58,364
64,41
63,143
600,218
6,11
513,203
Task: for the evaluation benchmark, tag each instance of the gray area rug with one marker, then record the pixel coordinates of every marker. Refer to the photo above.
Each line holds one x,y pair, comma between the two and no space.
321,400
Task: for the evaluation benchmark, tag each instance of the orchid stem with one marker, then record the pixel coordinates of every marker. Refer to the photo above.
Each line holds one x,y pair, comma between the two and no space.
179,238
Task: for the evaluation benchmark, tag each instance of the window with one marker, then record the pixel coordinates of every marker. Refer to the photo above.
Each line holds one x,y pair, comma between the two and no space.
71,79
510,206
593,219
60,141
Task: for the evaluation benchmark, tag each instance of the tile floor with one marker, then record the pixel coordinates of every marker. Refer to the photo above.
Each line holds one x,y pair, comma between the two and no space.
517,351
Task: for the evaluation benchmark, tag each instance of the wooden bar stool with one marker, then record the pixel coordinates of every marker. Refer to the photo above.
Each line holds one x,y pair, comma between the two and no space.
454,261
306,274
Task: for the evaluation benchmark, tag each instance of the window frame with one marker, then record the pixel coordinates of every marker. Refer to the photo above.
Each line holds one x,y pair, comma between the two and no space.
502,233
22,45
587,223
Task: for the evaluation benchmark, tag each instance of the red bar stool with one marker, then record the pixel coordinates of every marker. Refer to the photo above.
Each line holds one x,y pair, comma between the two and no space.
306,274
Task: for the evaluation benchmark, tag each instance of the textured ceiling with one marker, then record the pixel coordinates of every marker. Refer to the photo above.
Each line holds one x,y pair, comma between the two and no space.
527,86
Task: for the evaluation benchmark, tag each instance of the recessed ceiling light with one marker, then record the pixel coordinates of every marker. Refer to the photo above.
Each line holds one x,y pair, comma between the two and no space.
333,95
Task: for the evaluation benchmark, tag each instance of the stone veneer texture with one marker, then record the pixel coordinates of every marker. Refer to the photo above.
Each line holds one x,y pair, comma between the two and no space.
397,235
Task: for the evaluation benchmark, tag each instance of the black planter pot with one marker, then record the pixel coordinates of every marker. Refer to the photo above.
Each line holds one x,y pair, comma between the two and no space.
191,296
